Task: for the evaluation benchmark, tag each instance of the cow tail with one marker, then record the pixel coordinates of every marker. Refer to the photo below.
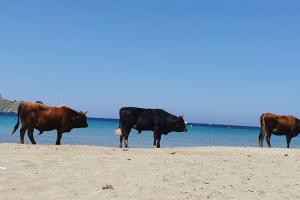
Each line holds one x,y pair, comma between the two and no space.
18,122
119,130
262,130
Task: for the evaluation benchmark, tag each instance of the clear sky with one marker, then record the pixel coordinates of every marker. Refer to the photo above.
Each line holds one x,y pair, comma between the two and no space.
213,61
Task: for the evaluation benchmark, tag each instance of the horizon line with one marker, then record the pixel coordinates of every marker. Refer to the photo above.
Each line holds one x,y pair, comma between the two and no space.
189,123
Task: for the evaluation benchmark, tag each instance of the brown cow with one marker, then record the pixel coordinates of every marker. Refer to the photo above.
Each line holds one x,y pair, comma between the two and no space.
46,118
278,125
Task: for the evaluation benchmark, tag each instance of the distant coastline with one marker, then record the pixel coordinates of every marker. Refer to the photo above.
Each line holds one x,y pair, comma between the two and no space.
192,124
8,106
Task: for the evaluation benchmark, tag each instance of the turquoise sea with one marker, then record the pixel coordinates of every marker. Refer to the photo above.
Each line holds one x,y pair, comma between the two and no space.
101,132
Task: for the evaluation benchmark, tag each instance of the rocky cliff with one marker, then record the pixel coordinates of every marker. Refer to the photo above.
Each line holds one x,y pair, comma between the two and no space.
8,106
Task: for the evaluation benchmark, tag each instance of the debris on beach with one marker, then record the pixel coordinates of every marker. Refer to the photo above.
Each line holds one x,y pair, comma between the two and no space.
3,168
108,187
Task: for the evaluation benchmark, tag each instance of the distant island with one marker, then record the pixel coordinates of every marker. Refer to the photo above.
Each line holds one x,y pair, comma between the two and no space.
8,106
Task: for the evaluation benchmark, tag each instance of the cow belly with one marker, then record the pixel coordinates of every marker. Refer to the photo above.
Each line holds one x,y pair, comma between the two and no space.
280,132
44,128
46,125
141,128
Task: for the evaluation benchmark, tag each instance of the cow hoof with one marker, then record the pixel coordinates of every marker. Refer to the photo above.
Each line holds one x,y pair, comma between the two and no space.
154,146
126,149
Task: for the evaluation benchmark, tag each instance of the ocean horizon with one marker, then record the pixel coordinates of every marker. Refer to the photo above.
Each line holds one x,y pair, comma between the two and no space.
101,133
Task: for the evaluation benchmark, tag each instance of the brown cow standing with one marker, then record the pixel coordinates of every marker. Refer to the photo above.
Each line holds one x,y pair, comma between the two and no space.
278,125
46,118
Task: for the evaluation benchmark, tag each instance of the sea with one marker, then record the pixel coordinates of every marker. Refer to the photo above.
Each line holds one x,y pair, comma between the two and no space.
101,133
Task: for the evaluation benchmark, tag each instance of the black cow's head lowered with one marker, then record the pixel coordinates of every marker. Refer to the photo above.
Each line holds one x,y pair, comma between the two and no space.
180,125
80,120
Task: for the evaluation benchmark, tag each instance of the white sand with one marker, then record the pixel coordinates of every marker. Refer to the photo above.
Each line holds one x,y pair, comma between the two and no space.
80,172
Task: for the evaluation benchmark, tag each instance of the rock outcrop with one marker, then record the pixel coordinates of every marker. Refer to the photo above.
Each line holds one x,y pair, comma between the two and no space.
8,106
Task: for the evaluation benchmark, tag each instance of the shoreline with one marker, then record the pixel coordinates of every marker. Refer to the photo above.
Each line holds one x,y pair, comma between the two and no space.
149,147
94,172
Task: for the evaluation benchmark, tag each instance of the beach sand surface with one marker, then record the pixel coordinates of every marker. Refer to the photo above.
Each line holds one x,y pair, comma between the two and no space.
90,172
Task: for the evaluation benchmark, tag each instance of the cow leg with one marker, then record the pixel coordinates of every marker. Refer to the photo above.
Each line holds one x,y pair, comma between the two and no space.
126,136
261,138
154,139
30,135
59,136
158,137
22,134
126,141
288,141
121,141
268,139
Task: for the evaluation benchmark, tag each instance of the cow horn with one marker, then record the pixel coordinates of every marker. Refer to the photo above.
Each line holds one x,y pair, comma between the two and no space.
86,112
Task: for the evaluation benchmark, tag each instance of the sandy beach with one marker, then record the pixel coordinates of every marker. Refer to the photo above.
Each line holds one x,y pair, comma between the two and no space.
89,172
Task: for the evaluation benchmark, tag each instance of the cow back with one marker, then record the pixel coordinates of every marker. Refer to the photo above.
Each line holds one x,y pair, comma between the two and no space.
42,117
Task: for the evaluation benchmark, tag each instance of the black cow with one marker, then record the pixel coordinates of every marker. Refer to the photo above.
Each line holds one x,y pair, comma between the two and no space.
156,120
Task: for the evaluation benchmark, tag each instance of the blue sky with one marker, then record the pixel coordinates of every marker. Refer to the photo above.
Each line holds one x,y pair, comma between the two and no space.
213,61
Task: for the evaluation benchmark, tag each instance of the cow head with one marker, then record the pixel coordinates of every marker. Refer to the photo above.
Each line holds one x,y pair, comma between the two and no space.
80,120
180,125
